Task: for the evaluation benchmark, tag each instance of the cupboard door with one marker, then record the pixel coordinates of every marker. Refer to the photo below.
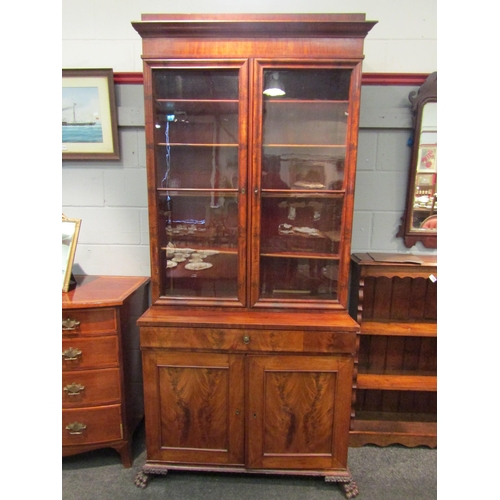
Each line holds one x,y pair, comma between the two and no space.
299,410
194,407
199,131
303,185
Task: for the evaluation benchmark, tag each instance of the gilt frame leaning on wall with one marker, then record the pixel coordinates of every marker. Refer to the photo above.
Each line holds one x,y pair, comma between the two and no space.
89,116
70,232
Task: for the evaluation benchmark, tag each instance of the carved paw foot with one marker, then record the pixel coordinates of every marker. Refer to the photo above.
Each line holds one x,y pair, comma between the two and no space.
347,484
141,480
350,489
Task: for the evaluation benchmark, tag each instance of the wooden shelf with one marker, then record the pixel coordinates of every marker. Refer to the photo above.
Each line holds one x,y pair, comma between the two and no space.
305,101
395,303
388,430
397,382
325,146
197,145
390,327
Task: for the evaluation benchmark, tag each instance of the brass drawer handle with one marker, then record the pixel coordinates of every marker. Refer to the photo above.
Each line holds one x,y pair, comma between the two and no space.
76,428
74,389
70,324
246,339
71,354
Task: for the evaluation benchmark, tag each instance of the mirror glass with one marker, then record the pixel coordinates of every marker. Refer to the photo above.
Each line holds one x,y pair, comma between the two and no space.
424,210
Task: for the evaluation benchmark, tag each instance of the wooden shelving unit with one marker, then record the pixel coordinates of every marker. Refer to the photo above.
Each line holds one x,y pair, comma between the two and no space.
396,370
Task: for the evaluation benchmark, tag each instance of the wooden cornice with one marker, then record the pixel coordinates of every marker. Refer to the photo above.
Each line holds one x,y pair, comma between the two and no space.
416,79
253,25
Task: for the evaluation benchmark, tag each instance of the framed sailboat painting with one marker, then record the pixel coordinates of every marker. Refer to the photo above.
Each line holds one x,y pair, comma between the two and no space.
89,117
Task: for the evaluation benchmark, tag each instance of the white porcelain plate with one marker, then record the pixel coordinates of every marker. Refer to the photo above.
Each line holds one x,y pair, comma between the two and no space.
198,266
208,253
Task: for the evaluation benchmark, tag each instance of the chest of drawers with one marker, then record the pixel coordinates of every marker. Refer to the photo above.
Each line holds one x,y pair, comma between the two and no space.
102,400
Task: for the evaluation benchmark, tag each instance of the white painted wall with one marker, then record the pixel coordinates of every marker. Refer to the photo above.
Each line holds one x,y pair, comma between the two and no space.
98,33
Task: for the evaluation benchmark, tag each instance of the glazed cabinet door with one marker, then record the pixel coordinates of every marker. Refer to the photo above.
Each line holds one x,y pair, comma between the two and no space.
299,411
196,116
194,407
305,139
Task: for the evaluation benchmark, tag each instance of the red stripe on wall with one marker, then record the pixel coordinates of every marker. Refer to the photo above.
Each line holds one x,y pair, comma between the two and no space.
366,79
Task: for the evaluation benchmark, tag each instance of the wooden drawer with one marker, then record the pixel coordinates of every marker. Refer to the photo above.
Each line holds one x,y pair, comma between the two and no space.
248,340
93,387
89,321
100,424
82,353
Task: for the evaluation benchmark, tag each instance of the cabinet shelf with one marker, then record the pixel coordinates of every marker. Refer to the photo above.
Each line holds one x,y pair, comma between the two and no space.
196,145
304,255
397,382
294,145
208,247
181,191
401,328
302,193
194,101
385,428
306,101
198,107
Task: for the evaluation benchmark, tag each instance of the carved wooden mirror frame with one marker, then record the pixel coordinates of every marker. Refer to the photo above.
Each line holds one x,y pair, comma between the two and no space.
411,234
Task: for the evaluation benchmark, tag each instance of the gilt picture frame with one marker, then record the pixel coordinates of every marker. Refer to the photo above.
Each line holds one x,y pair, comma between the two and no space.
70,232
89,115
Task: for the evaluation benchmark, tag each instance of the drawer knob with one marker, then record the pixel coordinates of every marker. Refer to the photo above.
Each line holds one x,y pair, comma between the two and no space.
246,339
74,389
71,354
76,428
70,324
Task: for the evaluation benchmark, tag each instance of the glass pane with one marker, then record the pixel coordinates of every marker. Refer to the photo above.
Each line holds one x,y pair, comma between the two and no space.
298,169
196,156
195,83
312,83
305,130
201,220
199,244
305,123
290,278
202,275
204,122
425,189
304,144
301,224
200,167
